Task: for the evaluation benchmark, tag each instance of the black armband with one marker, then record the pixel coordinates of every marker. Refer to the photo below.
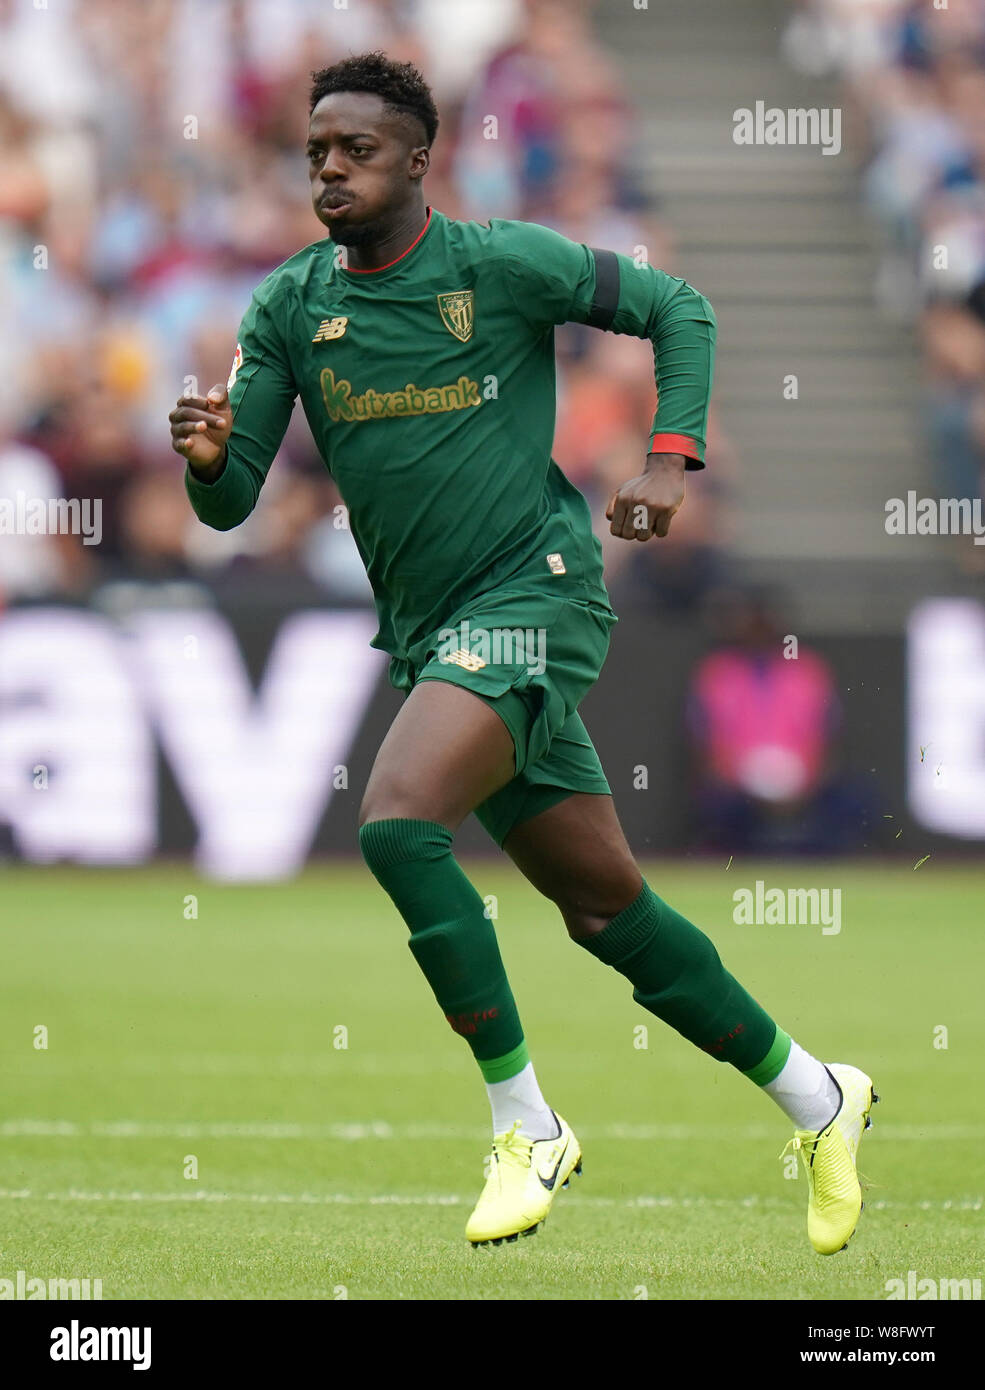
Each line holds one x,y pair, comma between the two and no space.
606,298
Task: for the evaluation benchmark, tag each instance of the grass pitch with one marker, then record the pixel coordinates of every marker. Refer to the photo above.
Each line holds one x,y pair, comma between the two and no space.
283,1046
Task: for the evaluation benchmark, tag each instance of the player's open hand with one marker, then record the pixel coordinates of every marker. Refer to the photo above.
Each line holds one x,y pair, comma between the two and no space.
644,506
200,426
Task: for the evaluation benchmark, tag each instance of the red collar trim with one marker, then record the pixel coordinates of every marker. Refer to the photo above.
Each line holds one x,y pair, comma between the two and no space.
352,270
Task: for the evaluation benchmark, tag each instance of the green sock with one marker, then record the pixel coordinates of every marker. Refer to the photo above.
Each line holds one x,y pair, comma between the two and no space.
677,974
452,939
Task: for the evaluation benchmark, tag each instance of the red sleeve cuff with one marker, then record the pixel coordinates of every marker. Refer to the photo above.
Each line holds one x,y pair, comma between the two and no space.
678,444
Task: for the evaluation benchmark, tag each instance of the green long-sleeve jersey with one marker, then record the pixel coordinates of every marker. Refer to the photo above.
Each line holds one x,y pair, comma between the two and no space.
429,388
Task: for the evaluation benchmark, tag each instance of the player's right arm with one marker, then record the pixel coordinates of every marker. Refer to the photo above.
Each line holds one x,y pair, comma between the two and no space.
230,437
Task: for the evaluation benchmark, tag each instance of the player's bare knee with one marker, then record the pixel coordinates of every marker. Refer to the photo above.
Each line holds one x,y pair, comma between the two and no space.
392,803
596,900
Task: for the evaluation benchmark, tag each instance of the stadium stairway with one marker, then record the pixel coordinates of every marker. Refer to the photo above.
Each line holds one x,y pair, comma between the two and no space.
778,239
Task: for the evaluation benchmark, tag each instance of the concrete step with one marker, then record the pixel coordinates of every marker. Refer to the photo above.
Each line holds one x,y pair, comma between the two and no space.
844,427
812,457
732,69
782,480
849,327
748,171
718,221
784,273
826,532
825,380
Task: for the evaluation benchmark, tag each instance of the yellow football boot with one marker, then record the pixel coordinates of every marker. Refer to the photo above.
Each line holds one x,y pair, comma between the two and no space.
524,1176
834,1195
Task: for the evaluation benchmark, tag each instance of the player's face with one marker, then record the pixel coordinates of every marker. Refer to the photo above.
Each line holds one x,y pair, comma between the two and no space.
362,164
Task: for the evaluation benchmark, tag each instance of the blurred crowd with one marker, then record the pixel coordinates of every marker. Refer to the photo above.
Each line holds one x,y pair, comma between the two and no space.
914,77
152,173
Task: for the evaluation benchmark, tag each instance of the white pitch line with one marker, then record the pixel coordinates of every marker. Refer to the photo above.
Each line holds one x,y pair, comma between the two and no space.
358,1131
319,1199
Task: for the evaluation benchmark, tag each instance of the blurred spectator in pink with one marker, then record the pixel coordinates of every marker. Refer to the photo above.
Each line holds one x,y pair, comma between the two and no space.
763,714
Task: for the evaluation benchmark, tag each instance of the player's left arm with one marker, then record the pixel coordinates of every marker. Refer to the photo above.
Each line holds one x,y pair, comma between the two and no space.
560,281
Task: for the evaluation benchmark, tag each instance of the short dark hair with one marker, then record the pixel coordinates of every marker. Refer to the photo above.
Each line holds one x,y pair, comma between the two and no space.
399,85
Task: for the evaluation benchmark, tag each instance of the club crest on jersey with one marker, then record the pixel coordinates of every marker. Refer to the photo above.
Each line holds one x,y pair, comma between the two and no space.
458,313
331,328
237,363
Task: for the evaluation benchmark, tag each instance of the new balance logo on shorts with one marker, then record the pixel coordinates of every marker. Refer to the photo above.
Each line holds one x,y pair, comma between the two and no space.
461,657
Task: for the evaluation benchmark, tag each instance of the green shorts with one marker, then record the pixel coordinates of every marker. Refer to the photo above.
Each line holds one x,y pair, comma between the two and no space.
532,658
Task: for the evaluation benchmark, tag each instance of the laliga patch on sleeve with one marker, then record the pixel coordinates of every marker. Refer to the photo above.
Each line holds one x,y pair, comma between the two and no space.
237,363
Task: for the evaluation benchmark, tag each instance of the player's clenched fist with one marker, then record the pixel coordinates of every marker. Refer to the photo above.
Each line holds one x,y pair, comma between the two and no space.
643,507
200,426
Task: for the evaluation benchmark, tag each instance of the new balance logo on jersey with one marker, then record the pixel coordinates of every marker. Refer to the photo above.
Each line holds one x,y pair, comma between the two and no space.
331,328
